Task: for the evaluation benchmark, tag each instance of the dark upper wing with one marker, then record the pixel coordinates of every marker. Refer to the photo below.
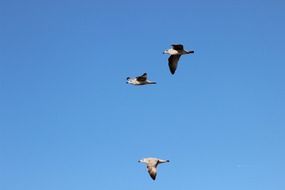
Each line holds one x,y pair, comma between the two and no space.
152,171
177,46
172,63
142,77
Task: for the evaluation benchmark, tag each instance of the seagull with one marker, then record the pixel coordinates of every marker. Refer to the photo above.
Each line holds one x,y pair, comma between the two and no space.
175,52
151,164
140,80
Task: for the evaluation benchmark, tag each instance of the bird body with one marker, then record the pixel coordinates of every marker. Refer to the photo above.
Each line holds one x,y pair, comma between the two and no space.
151,164
175,52
140,80
172,52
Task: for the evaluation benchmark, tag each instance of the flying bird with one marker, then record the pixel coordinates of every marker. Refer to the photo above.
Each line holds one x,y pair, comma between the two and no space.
175,52
140,80
151,164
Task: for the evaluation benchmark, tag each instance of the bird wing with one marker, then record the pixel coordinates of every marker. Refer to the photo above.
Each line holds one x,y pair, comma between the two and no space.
152,171
177,46
172,63
162,161
142,77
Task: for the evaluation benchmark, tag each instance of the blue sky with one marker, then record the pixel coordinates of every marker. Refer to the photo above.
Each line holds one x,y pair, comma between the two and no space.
69,121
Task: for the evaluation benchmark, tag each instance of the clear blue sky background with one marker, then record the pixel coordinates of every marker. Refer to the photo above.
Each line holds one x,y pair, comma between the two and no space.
68,121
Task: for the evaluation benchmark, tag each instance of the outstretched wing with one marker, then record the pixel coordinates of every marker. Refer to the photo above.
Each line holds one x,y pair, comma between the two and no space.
152,171
162,161
172,63
177,46
142,77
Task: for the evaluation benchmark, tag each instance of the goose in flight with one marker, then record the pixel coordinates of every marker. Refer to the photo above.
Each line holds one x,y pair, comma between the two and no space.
151,164
140,80
175,52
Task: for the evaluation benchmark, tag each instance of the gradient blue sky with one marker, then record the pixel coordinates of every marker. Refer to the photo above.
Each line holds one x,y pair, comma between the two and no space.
68,121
